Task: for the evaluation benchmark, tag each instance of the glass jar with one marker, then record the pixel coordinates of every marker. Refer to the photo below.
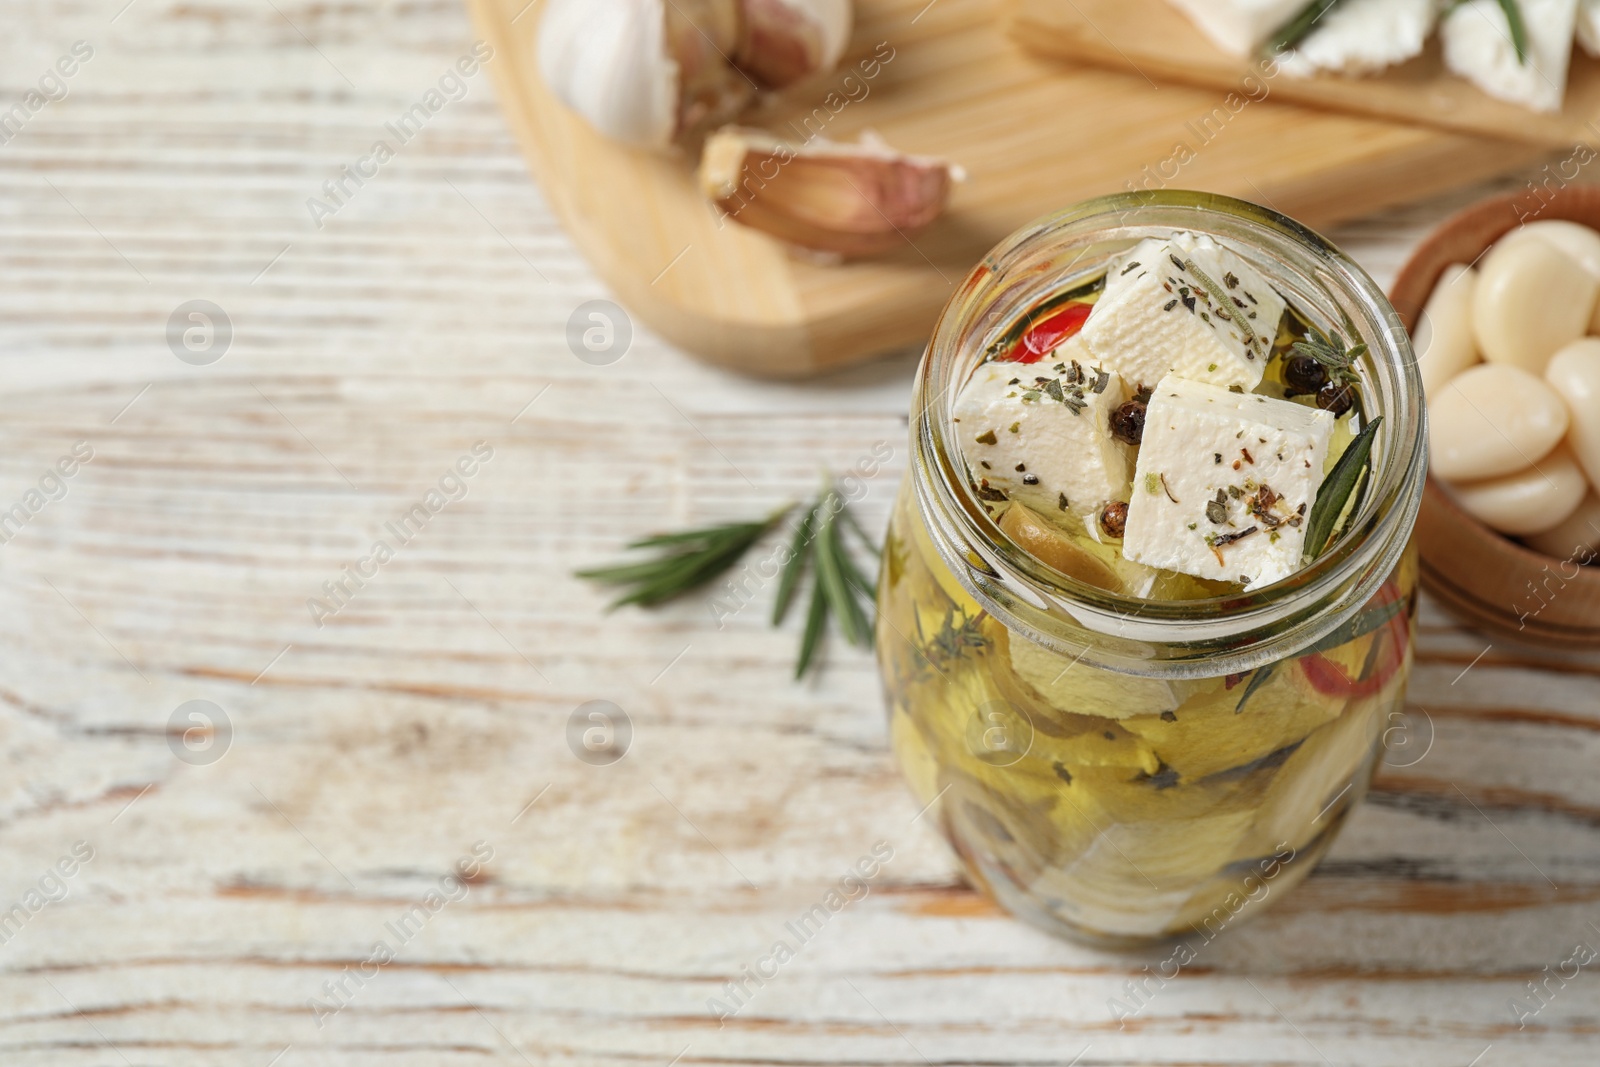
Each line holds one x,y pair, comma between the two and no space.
1125,770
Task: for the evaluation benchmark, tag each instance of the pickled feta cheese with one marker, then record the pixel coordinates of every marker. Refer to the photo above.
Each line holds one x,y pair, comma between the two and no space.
1224,483
1364,37
1240,26
1188,306
1478,46
1040,434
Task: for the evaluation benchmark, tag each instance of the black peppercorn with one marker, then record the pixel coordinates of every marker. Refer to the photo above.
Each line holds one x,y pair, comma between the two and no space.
1336,397
1114,519
1304,374
1127,423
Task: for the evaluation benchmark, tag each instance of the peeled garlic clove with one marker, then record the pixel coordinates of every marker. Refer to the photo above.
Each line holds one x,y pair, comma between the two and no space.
784,41
1532,299
1054,549
1530,501
1578,538
643,71
1580,242
1492,420
1443,338
855,200
1574,373
1575,239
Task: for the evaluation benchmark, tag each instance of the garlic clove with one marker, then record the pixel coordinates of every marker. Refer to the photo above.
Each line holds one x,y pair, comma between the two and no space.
647,72
1577,539
701,36
1531,501
784,41
608,61
854,200
1035,536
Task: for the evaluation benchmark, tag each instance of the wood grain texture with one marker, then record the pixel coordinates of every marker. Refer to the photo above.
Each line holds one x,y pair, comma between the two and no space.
1033,136
1155,39
370,754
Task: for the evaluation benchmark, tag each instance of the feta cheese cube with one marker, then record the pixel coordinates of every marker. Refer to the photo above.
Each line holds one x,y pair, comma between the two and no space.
1157,316
1127,265
1589,26
1224,483
1040,434
1364,37
1240,26
1478,46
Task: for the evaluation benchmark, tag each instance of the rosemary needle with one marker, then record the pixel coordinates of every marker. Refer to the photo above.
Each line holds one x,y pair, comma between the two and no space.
1514,22
799,547
831,564
815,617
1337,490
1300,27
1519,29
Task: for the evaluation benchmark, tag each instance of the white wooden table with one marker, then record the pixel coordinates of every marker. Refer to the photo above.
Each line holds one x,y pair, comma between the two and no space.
428,717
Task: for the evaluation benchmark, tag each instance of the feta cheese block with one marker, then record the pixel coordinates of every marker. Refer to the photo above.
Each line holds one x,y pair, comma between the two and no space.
1157,316
1478,46
1240,26
1224,483
1589,26
1364,37
1040,434
1125,267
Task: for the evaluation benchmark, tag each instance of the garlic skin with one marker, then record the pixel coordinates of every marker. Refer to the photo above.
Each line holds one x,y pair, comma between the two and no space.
655,72
700,36
851,200
782,42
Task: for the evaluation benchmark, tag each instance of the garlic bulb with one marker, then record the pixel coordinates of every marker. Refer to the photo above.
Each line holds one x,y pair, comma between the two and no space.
851,200
651,72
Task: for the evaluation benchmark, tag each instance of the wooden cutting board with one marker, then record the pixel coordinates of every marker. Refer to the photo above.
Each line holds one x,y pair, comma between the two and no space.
1154,38
1033,135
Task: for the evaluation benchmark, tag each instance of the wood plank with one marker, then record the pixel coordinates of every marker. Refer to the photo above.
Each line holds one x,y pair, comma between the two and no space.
956,88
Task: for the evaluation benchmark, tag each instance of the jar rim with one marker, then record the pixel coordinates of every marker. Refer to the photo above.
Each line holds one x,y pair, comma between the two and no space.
1163,637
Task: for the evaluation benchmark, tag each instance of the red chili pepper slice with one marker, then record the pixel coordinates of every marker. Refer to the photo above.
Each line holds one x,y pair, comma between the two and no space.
1042,339
1329,679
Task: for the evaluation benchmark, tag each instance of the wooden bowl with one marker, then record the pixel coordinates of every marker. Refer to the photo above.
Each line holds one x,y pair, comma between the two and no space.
1485,577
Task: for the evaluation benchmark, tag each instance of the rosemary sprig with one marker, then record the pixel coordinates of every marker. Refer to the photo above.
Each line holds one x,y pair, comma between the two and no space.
688,560
1331,352
955,638
1299,28
1337,489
